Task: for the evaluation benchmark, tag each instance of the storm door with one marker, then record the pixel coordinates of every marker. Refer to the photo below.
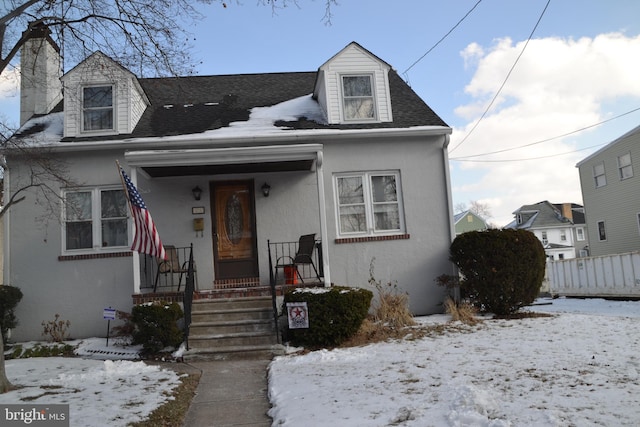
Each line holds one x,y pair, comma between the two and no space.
234,237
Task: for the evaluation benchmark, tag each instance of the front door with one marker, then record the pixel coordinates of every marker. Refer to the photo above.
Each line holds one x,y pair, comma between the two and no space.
234,238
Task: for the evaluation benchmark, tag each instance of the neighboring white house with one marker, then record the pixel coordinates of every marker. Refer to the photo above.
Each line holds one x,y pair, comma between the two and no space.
348,152
560,227
611,195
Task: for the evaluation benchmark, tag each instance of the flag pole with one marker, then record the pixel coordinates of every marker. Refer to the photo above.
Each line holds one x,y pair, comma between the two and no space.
124,187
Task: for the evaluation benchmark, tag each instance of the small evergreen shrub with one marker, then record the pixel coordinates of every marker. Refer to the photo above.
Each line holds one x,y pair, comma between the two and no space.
10,296
502,270
156,326
335,314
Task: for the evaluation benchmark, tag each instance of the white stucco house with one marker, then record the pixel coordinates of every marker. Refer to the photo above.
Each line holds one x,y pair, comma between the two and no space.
347,152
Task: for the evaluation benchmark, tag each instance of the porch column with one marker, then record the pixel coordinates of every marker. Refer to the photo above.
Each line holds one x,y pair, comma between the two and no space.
136,255
323,219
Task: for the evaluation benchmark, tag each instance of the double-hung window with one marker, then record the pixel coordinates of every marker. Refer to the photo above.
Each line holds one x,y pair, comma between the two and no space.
95,219
369,203
599,177
357,97
97,108
625,167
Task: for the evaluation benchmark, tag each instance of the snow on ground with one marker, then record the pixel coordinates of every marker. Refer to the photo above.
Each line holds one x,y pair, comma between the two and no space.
99,392
577,368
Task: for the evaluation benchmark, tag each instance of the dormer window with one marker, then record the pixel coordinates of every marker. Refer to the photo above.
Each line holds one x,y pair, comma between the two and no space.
97,108
358,100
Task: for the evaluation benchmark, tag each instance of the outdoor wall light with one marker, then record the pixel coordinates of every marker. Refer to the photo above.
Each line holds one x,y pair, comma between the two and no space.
266,188
197,192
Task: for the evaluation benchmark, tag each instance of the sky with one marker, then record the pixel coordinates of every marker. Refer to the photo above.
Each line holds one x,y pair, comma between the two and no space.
497,89
579,367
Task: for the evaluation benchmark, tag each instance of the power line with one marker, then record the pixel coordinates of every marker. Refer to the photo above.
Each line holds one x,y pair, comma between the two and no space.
505,80
548,139
439,41
529,158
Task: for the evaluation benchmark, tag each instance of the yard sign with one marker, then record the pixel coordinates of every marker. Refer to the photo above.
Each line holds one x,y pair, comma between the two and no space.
298,315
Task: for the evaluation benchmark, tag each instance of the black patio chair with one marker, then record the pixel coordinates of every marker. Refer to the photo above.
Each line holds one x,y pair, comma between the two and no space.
303,256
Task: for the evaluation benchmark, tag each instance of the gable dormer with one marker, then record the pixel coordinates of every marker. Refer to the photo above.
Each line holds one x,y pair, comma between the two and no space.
353,87
101,98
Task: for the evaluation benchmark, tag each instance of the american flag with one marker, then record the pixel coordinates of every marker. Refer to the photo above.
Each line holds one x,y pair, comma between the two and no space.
146,239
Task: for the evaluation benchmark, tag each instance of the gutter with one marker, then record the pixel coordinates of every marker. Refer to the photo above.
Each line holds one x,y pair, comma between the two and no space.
225,140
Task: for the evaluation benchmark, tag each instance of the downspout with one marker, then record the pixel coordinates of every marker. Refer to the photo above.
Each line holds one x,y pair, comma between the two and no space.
6,220
323,219
135,255
445,161
452,227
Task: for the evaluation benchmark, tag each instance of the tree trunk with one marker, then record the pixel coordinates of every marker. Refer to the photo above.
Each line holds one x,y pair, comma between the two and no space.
5,385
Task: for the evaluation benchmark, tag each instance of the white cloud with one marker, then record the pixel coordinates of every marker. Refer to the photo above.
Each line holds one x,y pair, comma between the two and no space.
558,86
10,96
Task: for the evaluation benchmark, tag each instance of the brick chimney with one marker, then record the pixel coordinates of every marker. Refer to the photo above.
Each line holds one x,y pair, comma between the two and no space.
40,72
567,212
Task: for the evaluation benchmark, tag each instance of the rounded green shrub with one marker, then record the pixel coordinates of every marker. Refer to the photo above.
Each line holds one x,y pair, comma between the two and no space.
156,326
502,269
10,296
335,314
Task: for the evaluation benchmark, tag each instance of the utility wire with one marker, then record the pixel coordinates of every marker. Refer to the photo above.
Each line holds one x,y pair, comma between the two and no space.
439,41
505,80
530,158
463,158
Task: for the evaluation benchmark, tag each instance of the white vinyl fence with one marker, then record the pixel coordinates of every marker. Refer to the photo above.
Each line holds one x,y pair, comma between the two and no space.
603,276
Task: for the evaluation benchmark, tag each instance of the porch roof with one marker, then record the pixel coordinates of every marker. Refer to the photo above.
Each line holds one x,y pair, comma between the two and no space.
213,161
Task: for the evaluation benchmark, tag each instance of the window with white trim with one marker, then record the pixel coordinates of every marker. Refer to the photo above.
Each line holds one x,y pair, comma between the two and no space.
625,168
358,101
563,235
545,240
97,108
580,233
95,218
599,177
369,203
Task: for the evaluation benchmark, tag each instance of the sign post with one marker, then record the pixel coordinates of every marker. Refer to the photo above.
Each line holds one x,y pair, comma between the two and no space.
109,314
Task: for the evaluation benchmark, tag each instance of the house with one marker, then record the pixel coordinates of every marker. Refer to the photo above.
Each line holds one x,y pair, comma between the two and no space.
468,221
611,195
560,227
234,168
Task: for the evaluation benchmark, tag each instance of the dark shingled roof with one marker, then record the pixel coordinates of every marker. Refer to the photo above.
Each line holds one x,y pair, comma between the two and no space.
188,105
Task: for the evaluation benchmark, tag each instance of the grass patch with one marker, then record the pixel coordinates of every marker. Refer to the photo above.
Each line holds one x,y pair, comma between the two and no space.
173,412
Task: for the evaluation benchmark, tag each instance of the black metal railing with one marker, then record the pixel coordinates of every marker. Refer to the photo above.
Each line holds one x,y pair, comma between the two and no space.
187,301
284,270
166,275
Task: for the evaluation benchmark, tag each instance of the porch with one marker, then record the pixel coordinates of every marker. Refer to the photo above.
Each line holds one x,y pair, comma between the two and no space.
166,280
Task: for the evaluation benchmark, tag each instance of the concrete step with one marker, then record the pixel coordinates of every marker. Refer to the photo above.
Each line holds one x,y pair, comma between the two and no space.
233,326
231,314
237,339
231,303
235,353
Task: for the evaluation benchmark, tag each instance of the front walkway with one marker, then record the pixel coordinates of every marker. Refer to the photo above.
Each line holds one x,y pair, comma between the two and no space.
230,393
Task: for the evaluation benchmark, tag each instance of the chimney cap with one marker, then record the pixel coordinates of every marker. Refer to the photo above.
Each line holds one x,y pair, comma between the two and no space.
40,30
